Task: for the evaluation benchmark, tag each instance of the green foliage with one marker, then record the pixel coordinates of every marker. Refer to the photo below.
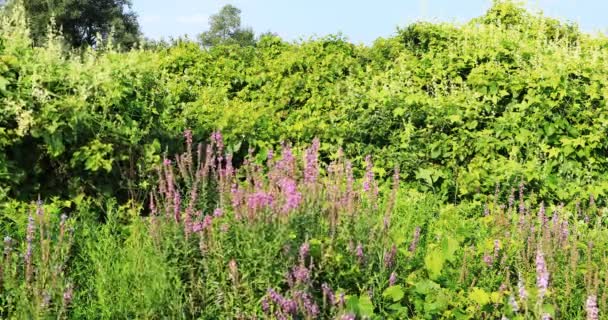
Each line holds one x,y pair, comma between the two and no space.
225,29
82,23
509,97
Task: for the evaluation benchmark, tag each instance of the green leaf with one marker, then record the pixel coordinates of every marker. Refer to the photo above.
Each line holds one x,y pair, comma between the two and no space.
479,296
433,262
395,293
366,307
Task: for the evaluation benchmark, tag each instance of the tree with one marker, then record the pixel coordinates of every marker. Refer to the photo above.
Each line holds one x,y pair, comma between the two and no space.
225,28
83,22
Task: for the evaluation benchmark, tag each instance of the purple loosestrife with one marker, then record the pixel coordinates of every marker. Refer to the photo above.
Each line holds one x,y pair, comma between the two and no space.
389,257
328,294
291,194
348,316
301,274
521,289
496,249
591,308
414,243
369,183
177,200
350,182
513,303
542,216
29,238
265,305
522,206
304,251
488,260
565,232
311,161
542,275
68,295
392,280
359,253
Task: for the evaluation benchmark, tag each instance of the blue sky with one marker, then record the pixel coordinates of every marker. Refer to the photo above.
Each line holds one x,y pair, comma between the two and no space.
360,21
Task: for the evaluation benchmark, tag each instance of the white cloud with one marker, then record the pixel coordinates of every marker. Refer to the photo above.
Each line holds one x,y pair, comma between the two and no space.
196,18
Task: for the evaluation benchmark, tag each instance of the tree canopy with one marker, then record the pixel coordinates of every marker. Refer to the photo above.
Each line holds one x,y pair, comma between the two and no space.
84,22
225,28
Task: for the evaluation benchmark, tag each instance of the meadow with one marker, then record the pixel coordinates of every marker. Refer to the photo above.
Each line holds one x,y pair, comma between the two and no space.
447,172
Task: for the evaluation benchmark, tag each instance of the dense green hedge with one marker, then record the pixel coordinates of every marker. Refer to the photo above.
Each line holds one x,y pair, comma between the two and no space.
509,96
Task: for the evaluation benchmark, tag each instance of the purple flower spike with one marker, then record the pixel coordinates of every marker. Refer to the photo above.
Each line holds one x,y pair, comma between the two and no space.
304,251
389,258
392,280
591,308
542,275
359,253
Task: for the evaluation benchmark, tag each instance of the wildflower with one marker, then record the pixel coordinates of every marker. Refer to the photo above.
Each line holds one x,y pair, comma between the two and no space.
311,159
188,136
68,295
166,162
389,258
542,275
359,253
46,300
392,279
217,212
513,304
542,217
496,248
348,316
224,227
414,243
545,316
522,208
523,294
304,251
342,300
368,182
310,308
565,231
328,293
591,308
301,274
265,305
176,206
291,194
233,269
216,137
487,259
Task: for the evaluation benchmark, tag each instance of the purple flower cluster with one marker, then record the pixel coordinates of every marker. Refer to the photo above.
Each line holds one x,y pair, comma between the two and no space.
389,257
311,162
414,243
591,308
392,280
328,294
542,275
359,253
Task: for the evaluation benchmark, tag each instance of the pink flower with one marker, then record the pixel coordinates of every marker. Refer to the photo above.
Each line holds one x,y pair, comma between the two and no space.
591,308
542,275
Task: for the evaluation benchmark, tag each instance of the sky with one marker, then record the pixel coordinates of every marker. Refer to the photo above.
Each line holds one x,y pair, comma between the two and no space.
359,20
